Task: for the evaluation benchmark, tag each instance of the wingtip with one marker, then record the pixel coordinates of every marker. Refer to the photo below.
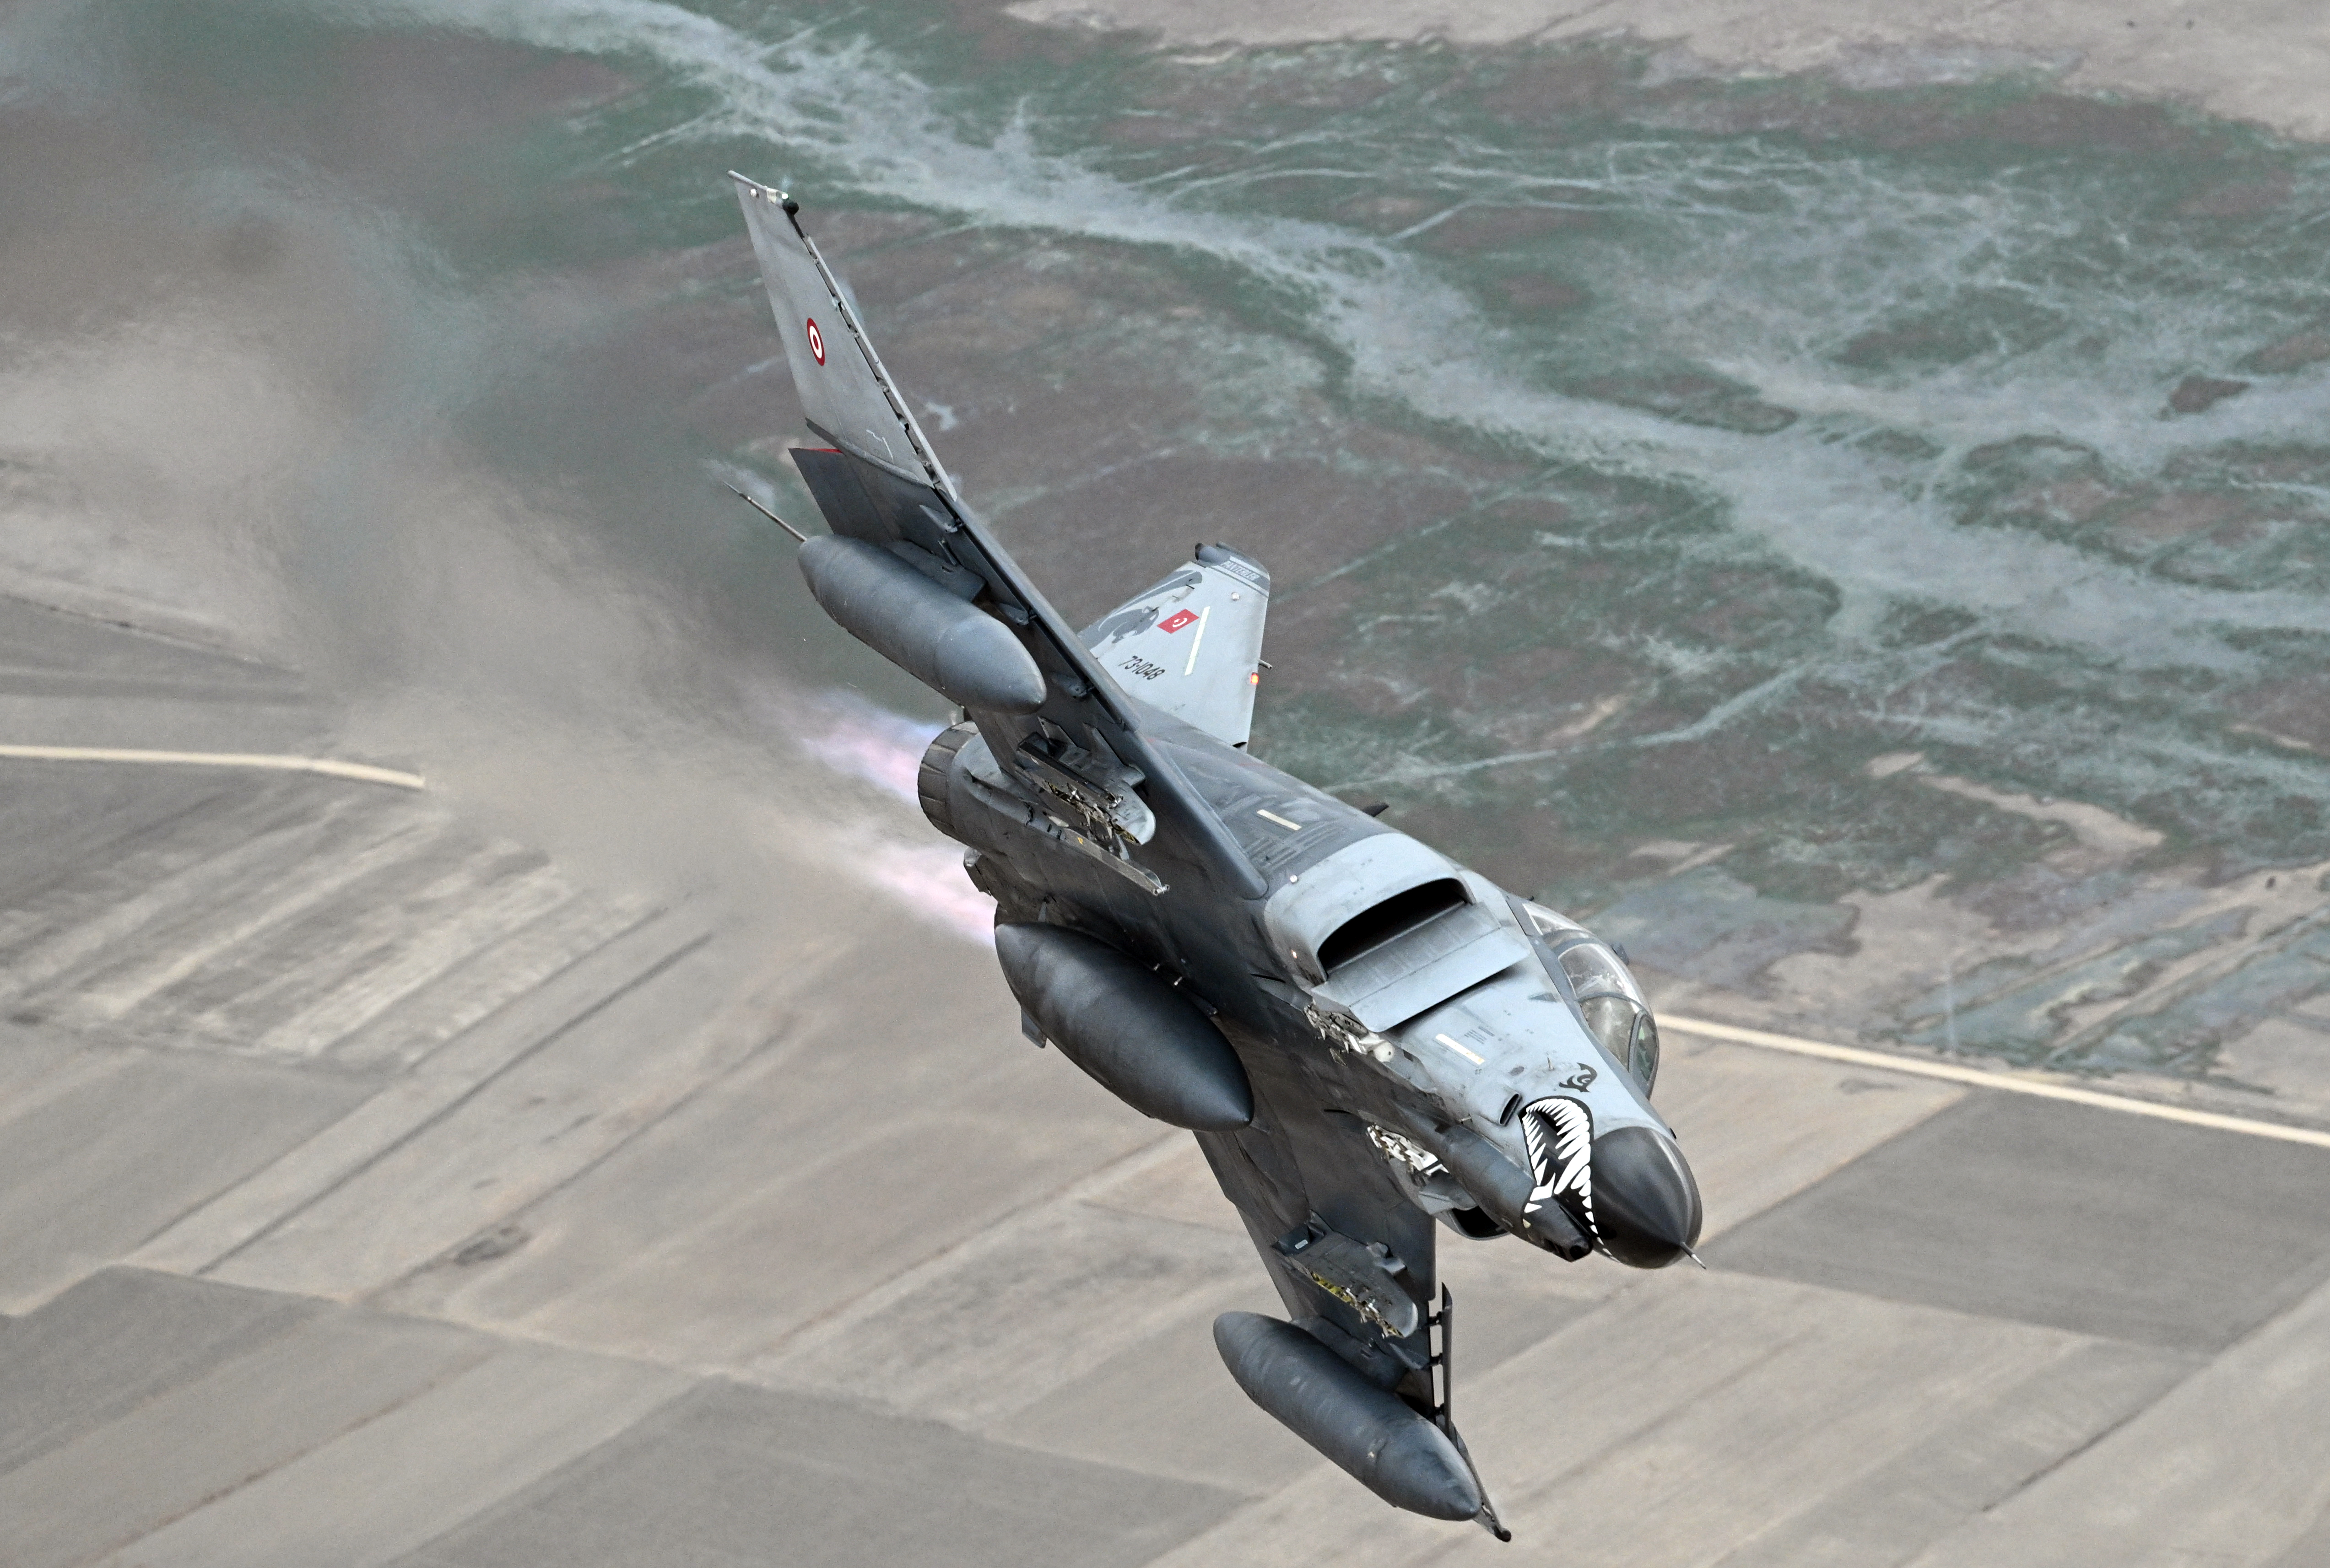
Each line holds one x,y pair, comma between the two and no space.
754,187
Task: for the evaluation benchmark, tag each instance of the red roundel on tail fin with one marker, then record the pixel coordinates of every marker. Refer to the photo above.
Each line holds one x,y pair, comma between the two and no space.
816,341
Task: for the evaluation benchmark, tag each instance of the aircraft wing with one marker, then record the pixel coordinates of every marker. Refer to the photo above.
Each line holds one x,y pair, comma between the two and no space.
1351,1256
1081,757
1325,1198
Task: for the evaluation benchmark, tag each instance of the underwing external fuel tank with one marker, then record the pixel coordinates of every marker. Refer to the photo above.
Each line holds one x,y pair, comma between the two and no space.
1116,1019
911,617
1372,1045
1387,1445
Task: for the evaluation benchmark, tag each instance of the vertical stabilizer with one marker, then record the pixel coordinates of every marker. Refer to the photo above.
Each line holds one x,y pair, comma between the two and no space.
1193,645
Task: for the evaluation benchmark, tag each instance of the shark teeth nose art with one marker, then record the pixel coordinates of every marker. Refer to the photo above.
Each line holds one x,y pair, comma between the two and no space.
1559,1132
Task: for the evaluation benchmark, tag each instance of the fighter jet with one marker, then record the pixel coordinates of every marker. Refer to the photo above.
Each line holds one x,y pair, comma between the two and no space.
1372,1043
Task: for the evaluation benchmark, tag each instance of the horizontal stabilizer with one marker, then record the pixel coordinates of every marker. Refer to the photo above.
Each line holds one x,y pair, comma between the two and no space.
1193,645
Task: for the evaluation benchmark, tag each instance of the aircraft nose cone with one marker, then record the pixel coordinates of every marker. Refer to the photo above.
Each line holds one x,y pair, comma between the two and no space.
1645,1203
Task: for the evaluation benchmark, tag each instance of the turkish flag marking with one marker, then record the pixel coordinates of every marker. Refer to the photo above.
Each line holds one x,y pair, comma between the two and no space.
1176,621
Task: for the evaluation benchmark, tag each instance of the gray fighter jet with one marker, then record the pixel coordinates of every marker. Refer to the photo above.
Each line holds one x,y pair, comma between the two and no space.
1372,1043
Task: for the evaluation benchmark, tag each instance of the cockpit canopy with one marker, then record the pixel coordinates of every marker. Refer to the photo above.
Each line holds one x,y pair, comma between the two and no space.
1606,993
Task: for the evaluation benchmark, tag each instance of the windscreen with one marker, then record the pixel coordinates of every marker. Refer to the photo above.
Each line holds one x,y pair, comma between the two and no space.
1606,991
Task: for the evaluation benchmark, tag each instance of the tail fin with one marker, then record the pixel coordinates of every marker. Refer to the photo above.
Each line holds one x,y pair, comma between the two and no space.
1193,645
844,393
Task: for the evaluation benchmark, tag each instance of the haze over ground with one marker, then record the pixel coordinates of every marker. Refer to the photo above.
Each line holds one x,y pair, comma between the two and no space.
1837,505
